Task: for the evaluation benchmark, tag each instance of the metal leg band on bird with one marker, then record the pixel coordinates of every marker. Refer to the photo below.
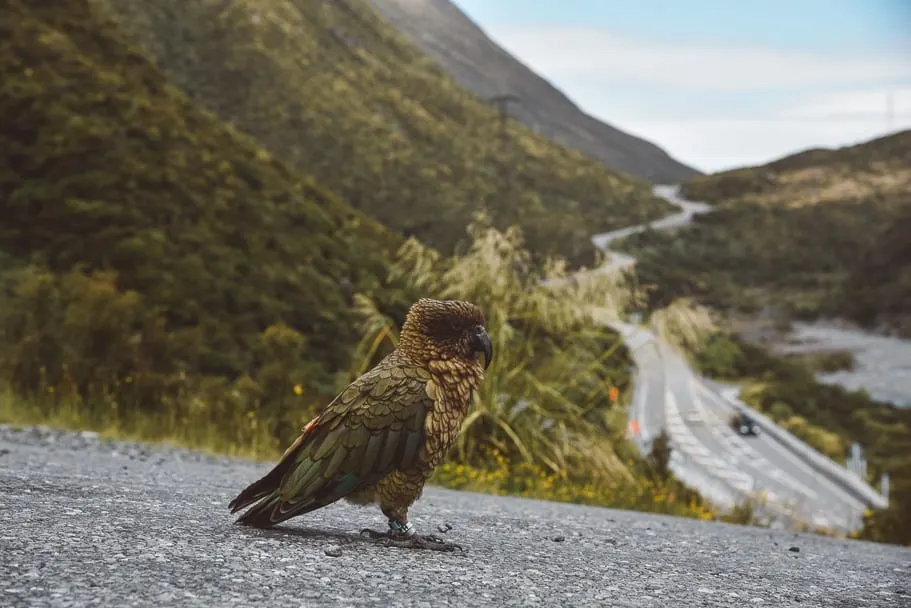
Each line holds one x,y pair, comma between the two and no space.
403,528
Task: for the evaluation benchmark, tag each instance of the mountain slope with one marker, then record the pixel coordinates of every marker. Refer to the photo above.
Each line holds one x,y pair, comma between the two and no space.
880,166
815,233
445,33
871,183
878,290
212,240
336,92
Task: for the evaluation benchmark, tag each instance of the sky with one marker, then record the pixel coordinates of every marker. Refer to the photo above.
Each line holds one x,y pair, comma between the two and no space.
720,84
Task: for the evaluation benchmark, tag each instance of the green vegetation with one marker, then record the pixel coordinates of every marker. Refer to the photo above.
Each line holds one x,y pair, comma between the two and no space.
184,285
149,250
829,418
748,258
337,93
164,277
548,422
825,362
878,290
813,176
818,233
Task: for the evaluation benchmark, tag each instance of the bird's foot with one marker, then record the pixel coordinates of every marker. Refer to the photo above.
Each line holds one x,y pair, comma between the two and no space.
404,538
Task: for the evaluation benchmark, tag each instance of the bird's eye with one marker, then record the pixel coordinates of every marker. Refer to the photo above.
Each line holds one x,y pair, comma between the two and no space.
455,325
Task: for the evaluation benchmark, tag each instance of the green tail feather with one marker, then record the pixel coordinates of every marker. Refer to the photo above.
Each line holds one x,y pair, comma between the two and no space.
269,512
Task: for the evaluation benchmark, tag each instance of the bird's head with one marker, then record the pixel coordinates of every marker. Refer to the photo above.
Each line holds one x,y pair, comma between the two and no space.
446,329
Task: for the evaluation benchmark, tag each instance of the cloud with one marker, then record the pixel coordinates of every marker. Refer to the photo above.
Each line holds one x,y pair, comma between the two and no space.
716,145
827,119
718,107
601,54
854,105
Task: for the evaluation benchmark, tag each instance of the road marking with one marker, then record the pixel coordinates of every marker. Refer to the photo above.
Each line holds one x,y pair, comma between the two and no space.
740,446
786,453
699,452
737,454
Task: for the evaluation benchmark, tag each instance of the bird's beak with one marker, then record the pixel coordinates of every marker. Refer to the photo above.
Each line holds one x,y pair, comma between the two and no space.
481,343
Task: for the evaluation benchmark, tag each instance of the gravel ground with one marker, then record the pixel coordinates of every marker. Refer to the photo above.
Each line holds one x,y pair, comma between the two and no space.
86,522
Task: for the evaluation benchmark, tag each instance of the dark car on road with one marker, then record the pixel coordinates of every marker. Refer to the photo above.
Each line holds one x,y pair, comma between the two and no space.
744,425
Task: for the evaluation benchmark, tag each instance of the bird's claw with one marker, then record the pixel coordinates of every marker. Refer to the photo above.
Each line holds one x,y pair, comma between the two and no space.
415,541
430,542
374,534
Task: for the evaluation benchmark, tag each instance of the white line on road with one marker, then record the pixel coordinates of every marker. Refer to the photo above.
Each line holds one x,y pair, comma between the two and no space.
742,448
804,467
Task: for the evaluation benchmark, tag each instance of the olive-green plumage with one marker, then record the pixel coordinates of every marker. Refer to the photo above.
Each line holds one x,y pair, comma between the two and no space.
380,439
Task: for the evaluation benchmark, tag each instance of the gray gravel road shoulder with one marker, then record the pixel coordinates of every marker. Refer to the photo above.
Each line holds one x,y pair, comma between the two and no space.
87,522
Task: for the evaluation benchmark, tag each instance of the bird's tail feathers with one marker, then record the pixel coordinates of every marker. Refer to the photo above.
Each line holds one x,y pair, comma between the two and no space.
271,482
262,514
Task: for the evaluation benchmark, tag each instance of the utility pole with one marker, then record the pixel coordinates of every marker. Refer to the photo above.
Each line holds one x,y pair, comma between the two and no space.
890,110
502,102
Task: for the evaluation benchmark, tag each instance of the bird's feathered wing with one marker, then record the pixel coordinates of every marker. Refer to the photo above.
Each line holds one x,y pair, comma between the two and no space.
369,430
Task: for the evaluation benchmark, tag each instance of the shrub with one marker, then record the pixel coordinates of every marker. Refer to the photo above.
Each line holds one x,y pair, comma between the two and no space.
546,401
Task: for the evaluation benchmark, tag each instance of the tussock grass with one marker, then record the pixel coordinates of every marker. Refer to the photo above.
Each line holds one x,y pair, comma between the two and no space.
192,429
548,423
546,401
684,324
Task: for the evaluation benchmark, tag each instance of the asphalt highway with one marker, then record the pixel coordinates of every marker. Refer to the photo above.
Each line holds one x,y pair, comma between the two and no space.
711,456
773,470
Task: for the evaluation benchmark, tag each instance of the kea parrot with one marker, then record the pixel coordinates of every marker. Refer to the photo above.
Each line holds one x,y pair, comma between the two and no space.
381,438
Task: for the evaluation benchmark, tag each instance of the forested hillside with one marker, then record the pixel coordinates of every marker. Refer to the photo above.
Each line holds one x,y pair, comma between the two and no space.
339,94
816,233
144,242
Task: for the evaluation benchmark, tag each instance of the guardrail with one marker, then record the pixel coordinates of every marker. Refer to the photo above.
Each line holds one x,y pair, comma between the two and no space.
709,479
720,492
720,488
818,461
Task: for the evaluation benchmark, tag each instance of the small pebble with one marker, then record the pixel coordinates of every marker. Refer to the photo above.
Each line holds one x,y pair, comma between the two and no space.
559,539
444,527
794,549
333,551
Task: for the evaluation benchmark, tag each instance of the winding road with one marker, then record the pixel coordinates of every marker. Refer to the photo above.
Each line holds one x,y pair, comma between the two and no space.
708,455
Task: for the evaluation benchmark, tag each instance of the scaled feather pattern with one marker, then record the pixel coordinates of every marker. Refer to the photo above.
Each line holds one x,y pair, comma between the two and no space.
380,439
